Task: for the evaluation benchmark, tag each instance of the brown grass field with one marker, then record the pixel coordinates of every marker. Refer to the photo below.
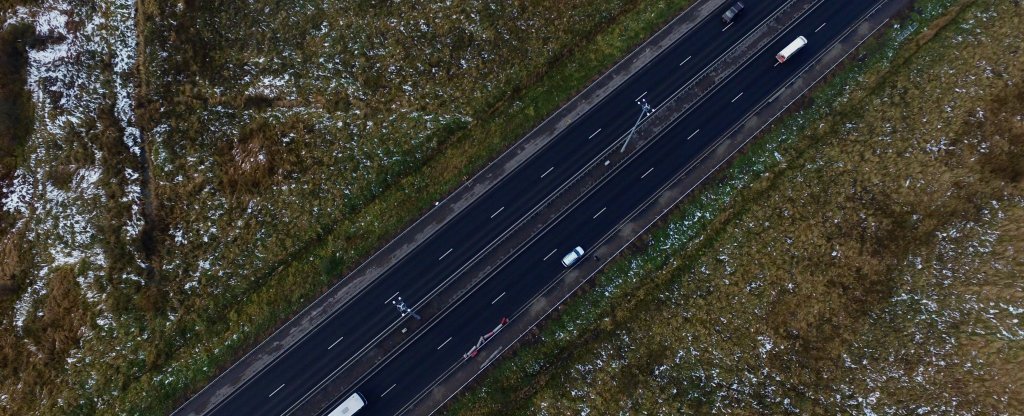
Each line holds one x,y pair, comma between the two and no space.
189,174
875,268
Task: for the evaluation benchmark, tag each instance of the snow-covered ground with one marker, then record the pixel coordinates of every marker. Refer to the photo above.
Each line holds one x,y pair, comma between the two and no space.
82,67
175,168
69,85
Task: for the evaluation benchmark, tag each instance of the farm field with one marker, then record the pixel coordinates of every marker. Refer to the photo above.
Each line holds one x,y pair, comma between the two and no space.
864,256
178,178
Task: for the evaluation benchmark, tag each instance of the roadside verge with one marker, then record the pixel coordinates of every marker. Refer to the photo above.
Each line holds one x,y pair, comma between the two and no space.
644,219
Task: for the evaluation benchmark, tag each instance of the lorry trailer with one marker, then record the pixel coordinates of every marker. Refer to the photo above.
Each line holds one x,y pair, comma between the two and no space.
351,405
790,49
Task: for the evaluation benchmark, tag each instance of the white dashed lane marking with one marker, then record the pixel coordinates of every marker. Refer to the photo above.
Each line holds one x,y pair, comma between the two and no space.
446,253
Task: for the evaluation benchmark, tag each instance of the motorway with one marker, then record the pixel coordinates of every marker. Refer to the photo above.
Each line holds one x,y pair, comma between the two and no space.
443,339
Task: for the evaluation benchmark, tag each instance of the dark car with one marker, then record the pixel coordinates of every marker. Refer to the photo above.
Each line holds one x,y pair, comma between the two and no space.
732,12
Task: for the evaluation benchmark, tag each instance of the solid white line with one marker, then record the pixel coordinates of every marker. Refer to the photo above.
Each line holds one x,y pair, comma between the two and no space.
275,390
445,253
776,64
552,253
549,255
392,297
727,26
389,389
594,134
645,173
336,342
599,212
819,28
499,297
547,172
694,134
480,173
737,97
585,280
641,96
496,212
445,342
684,60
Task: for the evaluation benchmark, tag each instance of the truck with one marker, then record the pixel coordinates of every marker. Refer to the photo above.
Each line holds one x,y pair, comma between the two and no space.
790,49
350,406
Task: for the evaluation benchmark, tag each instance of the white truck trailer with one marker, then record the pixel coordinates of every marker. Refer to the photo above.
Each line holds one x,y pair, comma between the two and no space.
351,405
790,49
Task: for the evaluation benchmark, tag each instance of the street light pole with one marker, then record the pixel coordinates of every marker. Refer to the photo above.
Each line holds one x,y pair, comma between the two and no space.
645,110
403,309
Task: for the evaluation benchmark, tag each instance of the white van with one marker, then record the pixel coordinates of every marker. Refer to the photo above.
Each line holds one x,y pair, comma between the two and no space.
573,255
350,406
790,49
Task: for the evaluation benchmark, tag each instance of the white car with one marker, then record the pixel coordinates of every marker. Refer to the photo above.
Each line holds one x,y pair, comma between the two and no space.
572,257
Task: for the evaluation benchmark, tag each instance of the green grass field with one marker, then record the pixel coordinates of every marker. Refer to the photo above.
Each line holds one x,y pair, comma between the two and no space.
863,257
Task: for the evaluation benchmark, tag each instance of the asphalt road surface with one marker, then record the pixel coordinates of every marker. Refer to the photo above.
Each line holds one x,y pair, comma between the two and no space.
434,350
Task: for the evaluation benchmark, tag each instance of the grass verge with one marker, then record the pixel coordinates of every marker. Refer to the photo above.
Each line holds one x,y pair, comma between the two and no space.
699,318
